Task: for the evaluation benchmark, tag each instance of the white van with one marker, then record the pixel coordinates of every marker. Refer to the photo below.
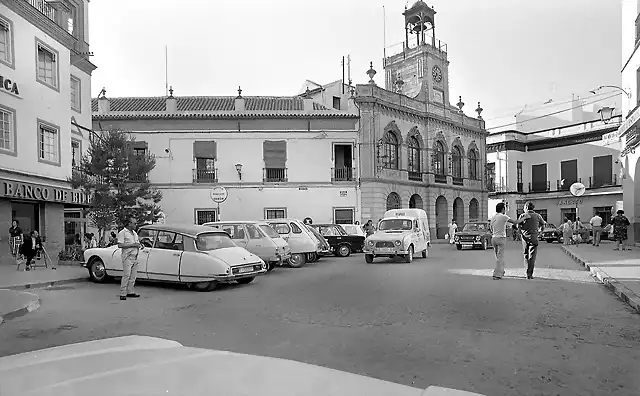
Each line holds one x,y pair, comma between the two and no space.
401,232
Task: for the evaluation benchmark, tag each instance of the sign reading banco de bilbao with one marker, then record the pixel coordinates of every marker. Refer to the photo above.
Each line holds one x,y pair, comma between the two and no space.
36,192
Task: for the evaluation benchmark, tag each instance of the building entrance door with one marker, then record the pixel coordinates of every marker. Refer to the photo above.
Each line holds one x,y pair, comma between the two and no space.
28,214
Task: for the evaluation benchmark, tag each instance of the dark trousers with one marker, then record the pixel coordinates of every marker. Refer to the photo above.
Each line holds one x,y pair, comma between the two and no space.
530,251
30,256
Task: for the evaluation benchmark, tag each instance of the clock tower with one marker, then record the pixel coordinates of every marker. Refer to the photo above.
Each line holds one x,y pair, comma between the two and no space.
420,69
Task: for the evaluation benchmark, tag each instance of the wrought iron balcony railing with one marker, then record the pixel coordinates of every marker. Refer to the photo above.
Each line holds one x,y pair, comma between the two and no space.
342,174
274,175
205,175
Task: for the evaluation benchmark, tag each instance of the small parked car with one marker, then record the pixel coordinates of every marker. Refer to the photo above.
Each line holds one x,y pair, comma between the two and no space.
341,243
474,234
249,235
324,249
551,233
353,229
195,255
301,241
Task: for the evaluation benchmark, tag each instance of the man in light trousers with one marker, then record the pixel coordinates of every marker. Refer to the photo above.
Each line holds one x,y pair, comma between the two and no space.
499,238
130,244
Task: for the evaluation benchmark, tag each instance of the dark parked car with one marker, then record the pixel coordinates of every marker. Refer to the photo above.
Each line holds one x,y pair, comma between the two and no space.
550,234
341,243
473,235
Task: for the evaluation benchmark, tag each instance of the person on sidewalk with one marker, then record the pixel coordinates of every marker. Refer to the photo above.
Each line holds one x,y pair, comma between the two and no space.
15,238
567,232
530,223
620,223
596,224
499,238
452,231
31,246
130,244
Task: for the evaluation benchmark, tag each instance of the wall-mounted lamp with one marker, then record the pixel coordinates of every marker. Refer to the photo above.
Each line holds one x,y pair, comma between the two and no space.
606,114
239,170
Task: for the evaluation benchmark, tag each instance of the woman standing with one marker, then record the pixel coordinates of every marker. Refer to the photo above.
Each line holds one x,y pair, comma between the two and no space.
15,237
567,231
620,223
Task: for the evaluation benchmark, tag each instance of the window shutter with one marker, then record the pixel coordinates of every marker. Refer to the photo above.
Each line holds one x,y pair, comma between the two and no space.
4,25
275,154
205,150
139,144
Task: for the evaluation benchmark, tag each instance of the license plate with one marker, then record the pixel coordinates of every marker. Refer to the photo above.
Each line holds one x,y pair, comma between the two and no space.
244,270
386,250
466,244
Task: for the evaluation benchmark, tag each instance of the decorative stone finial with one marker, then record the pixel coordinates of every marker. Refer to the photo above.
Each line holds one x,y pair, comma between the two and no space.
399,84
171,92
460,103
102,94
307,92
239,92
479,110
371,73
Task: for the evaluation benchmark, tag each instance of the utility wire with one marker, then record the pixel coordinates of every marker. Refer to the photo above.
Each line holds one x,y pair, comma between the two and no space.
550,114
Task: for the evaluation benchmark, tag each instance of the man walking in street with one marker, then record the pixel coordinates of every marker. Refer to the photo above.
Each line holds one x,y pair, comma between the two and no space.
596,223
130,244
530,223
453,227
499,238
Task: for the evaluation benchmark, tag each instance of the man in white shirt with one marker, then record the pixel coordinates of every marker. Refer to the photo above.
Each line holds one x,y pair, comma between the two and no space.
452,231
129,243
499,238
596,223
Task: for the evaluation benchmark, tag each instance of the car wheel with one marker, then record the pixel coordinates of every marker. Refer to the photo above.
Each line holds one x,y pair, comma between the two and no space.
368,258
344,250
425,253
97,271
297,260
245,281
409,256
270,266
549,240
459,247
205,286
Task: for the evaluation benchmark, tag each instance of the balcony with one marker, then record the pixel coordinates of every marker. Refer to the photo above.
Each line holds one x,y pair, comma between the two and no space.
600,182
44,8
458,181
340,174
274,175
415,176
537,187
205,175
440,178
566,185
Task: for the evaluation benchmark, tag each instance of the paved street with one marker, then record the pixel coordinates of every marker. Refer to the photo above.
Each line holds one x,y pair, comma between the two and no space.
438,321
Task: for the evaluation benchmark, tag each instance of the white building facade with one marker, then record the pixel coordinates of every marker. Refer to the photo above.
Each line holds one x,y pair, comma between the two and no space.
629,131
45,116
541,166
275,156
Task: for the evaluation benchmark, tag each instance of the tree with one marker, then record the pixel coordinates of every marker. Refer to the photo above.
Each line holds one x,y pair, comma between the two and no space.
117,179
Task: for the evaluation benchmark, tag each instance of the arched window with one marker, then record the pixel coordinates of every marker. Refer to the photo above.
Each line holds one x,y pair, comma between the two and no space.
393,201
473,164
414,154
390,151
438,159
456,161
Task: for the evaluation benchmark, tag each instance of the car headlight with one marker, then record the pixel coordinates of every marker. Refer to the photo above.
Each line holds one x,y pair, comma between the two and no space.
398,243
478,238
456,239
370,243
264,265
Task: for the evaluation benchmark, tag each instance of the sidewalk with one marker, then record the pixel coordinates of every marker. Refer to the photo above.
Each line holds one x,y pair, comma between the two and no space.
39,277
618,270
16,303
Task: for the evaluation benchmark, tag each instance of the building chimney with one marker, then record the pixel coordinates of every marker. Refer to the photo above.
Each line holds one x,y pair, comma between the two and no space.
307,101
239,103
172,104
103,102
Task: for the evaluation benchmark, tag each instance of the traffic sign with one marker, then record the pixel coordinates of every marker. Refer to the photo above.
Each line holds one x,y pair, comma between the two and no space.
219,194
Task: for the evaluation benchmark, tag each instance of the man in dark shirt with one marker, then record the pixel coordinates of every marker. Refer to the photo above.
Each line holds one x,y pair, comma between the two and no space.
530,222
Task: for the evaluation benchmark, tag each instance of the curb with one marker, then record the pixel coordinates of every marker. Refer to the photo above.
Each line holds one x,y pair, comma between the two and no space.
40,285
32,306
620,290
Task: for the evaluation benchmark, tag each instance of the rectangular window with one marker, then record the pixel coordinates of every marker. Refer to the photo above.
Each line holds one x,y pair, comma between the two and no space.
569,213
76,153
205,153
491,176
275,159
539,178
206,216
604,212
420,67
602,172
543,213
7,131
336,103
275,213
6,42
75,93
519,174
388,80
568,174
47,72
48,144
343,216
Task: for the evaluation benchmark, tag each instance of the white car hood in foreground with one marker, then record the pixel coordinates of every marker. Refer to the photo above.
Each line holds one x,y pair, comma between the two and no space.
146,366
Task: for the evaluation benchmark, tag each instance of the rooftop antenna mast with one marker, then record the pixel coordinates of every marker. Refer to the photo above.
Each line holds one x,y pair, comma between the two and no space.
384,37
349,69
166,71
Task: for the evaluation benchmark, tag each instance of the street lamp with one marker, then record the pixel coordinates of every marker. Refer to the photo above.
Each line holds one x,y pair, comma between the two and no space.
606,113
611,86
239,170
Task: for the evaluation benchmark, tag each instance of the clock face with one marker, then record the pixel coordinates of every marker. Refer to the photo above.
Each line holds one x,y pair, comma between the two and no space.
436,73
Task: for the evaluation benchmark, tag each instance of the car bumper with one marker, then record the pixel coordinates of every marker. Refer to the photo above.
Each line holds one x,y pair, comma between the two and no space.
469,243
324,252
233,277
396,251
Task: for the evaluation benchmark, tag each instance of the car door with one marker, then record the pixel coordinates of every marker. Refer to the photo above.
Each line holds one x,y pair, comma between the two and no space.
147,238
416,236
164,258
258,243
305,239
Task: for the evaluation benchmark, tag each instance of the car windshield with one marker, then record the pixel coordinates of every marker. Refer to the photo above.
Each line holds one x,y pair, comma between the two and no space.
213,241
549,225
475,227
281,228
395,224
330,230
271,233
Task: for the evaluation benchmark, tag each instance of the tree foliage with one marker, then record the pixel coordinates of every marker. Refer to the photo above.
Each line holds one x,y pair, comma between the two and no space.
117,179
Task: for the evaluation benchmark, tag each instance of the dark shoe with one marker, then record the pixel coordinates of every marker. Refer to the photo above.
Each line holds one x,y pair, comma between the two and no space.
529,276
133,295
496,278
27,269
123,298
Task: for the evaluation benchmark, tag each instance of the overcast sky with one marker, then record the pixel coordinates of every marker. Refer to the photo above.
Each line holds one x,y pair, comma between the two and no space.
503,53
